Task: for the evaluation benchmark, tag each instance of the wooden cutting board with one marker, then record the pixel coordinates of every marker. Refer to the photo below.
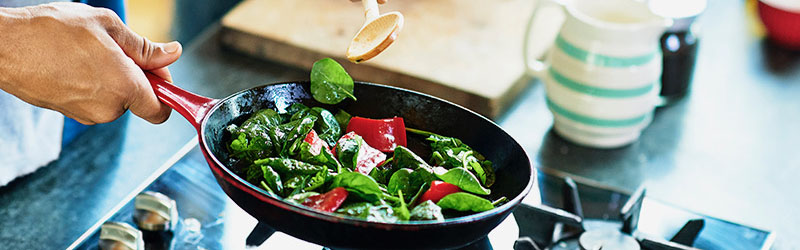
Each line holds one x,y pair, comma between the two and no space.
465,51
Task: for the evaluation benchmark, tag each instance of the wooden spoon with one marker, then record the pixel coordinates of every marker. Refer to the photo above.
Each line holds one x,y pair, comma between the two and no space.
377,33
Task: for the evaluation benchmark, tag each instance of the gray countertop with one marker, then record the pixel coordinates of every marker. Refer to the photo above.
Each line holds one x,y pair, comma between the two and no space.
731,149
728,150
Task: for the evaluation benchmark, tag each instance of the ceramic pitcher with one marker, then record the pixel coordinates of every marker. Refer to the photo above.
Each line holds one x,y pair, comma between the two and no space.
602,72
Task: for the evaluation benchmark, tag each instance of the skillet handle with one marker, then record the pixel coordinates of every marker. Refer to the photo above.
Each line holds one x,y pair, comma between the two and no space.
193,107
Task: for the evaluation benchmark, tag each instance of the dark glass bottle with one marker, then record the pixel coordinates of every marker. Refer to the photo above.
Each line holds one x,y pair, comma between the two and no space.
679,50
678,46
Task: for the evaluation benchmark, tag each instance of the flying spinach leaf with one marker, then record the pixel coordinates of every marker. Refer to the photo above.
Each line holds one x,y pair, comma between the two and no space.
273,180
330,83
427,211
464,180
465,202
400,181
290,167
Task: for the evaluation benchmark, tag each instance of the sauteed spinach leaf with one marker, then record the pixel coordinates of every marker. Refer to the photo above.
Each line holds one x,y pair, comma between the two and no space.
273,179
301,155
462,178
465,202
342,118
427,211
450,152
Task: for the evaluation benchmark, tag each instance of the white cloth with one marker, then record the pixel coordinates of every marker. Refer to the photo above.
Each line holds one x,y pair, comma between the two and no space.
30,137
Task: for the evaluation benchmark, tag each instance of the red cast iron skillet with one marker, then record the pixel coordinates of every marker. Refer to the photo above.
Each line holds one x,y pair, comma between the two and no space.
211,116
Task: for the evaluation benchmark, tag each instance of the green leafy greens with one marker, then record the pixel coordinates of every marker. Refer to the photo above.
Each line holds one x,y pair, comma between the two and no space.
302,155
330,83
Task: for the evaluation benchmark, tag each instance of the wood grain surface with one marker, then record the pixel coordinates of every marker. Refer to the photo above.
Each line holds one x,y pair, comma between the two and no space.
465,51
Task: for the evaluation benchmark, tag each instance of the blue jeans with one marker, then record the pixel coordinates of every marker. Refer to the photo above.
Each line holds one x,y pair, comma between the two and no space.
73,128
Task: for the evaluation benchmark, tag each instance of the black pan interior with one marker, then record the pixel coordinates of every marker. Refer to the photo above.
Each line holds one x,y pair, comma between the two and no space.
377,101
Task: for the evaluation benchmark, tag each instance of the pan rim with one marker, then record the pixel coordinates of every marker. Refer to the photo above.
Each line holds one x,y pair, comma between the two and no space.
236,181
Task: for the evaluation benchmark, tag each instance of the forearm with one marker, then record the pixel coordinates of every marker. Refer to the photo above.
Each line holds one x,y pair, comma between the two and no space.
6,20
10,20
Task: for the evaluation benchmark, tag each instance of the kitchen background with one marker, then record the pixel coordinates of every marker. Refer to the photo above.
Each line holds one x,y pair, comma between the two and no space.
691,156
728,150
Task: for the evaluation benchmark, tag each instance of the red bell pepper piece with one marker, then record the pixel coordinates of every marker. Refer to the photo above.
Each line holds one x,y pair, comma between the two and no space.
382,134
368,157
438,190
327,202
316,143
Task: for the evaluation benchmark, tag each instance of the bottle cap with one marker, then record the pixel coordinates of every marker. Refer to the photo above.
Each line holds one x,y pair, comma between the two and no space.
155,211
118,235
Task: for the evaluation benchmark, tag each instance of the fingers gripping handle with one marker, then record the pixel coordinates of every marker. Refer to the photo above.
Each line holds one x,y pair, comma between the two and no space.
535,66
191,106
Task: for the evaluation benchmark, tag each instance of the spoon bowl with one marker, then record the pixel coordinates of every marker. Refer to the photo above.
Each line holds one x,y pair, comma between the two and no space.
375,36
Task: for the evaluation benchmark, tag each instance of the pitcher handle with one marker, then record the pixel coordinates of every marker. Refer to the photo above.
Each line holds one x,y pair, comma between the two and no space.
535,66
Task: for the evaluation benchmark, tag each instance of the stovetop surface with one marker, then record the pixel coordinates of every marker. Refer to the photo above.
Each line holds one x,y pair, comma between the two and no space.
657,220
210,220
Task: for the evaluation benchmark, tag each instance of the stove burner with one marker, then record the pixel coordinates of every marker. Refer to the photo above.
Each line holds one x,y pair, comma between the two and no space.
607,238
569,230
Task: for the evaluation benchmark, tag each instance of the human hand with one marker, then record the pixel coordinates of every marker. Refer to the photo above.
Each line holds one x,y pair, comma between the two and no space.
379,1
81,61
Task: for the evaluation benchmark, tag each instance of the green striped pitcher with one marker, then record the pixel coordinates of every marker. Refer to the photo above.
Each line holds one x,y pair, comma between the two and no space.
602,72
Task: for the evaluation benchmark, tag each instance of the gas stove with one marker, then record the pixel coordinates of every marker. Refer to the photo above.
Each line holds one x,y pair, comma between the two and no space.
580,216
560,214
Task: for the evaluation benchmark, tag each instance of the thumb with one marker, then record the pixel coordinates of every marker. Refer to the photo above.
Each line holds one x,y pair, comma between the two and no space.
151,55
146,54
